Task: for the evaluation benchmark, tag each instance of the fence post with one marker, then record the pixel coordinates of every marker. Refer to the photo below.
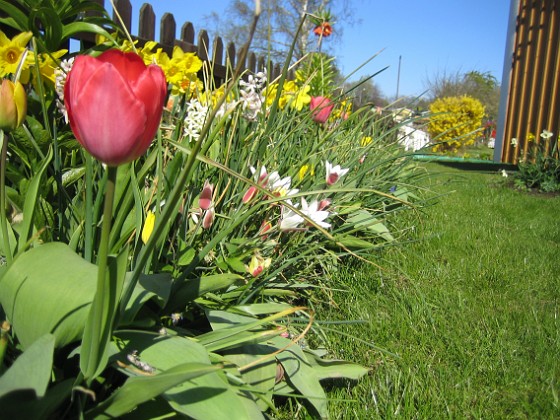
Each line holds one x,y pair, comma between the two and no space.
203,45
147,23
167,31
125,11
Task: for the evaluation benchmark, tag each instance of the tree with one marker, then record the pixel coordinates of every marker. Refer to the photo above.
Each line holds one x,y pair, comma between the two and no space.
277,25
480,85
365,92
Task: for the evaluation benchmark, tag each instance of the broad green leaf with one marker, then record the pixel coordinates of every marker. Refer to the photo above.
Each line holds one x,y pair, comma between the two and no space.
262,308
50,279
77,27
365,220
301,375
149,286
206,397
139,389
18,18
193,288
32,369
325,368
261,374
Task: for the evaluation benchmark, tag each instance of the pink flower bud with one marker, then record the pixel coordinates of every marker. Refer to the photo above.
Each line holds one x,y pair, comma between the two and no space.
205,199
208,218
321,109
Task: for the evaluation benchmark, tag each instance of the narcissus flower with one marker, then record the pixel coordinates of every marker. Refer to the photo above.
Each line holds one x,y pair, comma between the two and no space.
114,103
13,105
148,226
321,109
333,173
11,54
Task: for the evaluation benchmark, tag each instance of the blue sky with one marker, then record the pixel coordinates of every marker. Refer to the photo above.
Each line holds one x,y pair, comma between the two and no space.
432,37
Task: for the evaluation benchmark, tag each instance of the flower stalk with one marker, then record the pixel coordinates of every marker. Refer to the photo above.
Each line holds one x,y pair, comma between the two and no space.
3,218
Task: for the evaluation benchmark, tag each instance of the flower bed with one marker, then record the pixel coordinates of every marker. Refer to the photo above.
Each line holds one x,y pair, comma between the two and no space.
164,240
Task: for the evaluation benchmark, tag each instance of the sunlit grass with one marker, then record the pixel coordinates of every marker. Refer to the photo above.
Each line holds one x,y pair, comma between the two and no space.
468,316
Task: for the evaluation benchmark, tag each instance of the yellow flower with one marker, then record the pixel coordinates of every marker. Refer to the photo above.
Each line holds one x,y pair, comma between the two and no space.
11,51
302,98
47,65
303,171
365,141
148,227
13,105
258,264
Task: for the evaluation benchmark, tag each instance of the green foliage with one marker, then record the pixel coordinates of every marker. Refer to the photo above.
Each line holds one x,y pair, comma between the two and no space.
199,310
454,122
541,169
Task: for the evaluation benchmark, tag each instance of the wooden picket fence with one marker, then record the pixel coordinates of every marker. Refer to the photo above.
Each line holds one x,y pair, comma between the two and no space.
222,59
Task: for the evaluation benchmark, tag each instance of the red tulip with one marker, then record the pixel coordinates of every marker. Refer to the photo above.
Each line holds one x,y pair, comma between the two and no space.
321,109
114,104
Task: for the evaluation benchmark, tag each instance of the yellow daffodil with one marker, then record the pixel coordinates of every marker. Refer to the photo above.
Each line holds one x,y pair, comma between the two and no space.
11,51
48,63
148,226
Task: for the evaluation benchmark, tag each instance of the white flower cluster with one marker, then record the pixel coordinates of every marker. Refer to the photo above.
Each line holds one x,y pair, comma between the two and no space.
252,99
60,74
195,119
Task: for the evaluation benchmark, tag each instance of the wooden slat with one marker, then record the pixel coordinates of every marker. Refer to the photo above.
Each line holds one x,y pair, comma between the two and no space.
147,22
125,11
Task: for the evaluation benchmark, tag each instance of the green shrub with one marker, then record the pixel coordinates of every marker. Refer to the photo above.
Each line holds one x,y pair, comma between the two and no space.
454,122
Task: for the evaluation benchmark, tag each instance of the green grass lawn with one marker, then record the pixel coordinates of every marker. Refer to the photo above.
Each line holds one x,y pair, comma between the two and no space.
466,324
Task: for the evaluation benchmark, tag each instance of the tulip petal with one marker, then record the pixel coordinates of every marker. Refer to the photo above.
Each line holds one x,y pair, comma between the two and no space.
106,117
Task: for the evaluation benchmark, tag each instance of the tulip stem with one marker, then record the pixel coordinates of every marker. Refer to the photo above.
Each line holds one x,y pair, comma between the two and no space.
106,224
101,318
3,219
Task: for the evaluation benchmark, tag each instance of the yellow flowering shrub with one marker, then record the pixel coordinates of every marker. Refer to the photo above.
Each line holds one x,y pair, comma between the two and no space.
454,121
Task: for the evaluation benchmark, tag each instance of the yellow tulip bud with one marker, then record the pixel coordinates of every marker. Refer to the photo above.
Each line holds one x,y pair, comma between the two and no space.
13,105
148,227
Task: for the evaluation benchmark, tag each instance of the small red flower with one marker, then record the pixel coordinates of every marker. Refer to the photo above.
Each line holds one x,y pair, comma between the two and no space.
324,29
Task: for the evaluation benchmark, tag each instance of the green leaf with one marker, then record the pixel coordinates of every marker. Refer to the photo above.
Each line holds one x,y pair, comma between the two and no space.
19,18
99,326
186,257
262,374
12,239
326,369
205,397
32,369
77,27
152,286
30,202
301,375
365,220
50,279
194,288
140,389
